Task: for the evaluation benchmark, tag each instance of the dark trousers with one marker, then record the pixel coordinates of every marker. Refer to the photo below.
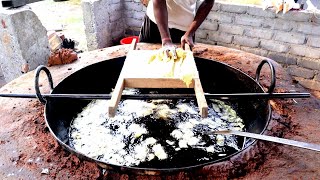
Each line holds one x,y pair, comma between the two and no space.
149,33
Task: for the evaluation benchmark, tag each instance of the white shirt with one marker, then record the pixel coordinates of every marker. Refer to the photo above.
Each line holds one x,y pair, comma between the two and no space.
180,13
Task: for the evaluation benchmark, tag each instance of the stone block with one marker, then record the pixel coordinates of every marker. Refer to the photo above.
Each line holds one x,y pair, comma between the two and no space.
241,9
129,13
279,24
117,30
258,11
282,58
233,46
134,22
315,18
313,41
133,6
2,80
248,20
295,16
202,34
206,41
295,38
220,37
274,46
317,77
138,15
207,25
257,51
259,33
308,28
308,83
116,16
231,29
114,7
246,41
309,63
99,24
216,6
220,17
24,42
301,72
301,50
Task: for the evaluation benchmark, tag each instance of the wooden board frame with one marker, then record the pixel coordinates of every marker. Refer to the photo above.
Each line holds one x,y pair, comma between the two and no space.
131,80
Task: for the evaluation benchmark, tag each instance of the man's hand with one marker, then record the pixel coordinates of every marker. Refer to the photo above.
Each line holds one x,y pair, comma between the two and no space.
187,39
169,49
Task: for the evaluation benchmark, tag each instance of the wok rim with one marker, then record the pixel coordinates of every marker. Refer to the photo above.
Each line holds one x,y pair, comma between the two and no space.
156,171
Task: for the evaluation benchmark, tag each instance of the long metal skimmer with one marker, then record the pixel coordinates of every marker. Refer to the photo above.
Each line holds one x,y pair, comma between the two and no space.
310,146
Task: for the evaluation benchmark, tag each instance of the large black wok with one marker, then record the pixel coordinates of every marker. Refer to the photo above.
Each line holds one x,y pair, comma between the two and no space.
101,77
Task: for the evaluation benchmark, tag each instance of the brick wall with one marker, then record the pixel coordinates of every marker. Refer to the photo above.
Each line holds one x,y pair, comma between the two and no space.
292,39
133,15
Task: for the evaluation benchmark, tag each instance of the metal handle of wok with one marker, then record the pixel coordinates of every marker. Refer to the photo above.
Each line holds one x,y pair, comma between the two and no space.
273,74
36,82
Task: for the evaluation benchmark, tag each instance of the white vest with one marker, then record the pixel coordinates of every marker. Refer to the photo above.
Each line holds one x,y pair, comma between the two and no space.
180,13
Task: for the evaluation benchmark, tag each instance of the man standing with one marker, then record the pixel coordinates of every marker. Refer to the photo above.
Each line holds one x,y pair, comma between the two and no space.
173,21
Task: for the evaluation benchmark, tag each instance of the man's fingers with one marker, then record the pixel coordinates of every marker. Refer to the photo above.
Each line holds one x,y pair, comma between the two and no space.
174,53
170,52
191,45
166,51
183,42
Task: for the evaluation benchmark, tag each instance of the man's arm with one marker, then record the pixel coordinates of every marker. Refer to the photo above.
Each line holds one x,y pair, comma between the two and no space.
161,16
201,15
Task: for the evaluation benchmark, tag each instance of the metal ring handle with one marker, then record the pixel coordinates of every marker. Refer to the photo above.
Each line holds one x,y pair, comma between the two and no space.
273,74
36,82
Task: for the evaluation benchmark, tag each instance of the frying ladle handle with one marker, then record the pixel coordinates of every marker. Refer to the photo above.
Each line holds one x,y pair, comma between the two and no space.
305,145
273,74
36,82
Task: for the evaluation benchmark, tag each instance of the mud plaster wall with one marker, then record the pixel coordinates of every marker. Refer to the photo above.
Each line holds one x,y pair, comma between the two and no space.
292,39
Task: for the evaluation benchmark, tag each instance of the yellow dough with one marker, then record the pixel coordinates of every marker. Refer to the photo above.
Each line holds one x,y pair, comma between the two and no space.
171,67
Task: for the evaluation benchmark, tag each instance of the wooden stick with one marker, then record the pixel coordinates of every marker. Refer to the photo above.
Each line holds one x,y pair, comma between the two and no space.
133,44
117,93
187,47
201,99
115,98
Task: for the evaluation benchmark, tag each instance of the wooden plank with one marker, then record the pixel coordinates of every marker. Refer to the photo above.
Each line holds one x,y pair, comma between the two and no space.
187,47
133,44
201,100
137,72
137,66
117,92
156,83
115,98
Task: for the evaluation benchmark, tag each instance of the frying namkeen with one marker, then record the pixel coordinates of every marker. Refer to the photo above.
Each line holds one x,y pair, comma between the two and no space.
175,67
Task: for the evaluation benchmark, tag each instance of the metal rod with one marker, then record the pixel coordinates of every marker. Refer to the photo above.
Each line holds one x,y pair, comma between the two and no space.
166,96
300,144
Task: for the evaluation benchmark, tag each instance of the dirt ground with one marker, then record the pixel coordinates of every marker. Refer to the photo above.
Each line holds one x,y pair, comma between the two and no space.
31,152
